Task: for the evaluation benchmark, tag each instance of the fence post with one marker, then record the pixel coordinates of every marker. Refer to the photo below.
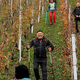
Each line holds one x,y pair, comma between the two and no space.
74,58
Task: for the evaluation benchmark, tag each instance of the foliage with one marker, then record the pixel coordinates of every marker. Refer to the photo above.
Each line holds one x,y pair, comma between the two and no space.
57,34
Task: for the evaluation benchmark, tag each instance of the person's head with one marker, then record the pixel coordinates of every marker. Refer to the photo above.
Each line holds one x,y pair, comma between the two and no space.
78,4
21,72
40,34
51,1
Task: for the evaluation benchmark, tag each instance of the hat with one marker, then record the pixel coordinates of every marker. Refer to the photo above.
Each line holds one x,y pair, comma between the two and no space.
39,31
21,71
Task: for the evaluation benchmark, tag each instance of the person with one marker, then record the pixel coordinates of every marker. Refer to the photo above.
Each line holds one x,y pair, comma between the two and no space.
76,13
40,49
22,73
54,1
53,8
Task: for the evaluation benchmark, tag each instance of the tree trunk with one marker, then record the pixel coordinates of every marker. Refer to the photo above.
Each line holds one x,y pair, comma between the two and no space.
42,6
45,3
6,69
11,12
20,33
32,17
0,5
65,4
9,2
39,10
26,2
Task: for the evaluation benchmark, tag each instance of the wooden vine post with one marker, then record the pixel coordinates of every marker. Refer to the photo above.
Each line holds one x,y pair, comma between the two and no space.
20,33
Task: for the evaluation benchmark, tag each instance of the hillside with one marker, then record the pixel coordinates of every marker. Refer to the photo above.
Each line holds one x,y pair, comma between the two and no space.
55,33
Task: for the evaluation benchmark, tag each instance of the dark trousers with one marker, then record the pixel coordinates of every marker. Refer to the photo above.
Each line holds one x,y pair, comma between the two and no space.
43,64
76,21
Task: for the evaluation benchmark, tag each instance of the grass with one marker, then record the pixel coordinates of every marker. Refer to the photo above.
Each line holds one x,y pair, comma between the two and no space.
55,34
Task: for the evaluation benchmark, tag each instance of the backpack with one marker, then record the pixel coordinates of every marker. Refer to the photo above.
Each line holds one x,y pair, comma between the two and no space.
35,41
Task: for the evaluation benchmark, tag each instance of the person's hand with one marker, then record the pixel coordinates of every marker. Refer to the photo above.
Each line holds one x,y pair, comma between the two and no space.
77,16
57,11
28,46
49,49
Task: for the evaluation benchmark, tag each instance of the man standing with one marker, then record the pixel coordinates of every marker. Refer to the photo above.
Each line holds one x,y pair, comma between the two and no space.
76,13
52,9
40,45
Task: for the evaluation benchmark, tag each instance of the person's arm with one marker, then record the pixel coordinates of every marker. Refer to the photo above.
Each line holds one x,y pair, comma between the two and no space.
54,1
30,45
48,7
51,47
74,12
56,7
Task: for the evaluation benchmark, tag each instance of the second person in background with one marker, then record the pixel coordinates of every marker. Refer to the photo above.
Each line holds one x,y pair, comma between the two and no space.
52,8
76,13
54,1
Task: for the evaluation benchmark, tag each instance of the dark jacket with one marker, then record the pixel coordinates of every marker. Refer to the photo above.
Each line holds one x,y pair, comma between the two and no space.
76,11
53,1
40,47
